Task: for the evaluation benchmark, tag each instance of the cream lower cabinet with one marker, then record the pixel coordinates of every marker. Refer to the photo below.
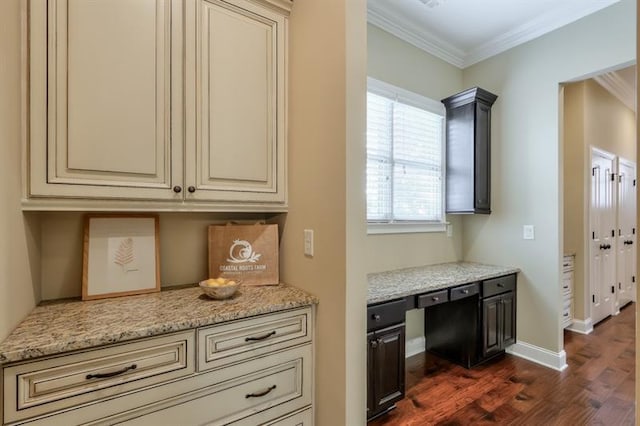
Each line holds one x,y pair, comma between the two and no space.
157,100
261,372
568,263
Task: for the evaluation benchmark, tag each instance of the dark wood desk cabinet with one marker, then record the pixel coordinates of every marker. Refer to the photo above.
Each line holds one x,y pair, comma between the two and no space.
385,356
467,324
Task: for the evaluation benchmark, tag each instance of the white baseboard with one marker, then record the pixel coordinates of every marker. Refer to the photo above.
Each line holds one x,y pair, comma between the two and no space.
545,357
414,346
580,326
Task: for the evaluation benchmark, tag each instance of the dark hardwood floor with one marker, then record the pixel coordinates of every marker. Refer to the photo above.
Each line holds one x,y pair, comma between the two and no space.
598,387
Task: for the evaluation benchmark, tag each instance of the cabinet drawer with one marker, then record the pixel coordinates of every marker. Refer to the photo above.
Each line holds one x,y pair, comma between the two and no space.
430,299
567,263
52,384
302,418
385,314
465,291
261,390
566,284
236,341
498,285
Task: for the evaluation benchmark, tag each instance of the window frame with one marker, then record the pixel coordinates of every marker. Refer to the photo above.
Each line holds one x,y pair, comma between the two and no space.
416,100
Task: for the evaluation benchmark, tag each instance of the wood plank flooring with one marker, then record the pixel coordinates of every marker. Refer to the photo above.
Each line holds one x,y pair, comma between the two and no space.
598,387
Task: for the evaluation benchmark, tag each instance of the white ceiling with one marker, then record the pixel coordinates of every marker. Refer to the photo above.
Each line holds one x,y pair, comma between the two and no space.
463,32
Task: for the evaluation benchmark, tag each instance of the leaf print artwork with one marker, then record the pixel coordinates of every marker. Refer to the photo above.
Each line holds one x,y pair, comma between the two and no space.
124,255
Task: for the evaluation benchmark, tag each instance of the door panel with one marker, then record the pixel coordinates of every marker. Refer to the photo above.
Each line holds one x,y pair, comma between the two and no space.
603,241
626,231
108,100
491,325
238,153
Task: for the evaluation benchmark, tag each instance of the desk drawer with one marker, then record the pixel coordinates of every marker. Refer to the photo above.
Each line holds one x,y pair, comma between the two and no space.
463,291
385,314
498,285
53,384
431,299
229,343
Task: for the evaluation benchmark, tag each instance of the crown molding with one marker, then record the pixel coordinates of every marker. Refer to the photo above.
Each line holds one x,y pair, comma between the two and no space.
533,29
408,31
420,38
619,88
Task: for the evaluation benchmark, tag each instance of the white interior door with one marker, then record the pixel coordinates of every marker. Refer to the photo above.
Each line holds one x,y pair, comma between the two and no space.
626,231
603,242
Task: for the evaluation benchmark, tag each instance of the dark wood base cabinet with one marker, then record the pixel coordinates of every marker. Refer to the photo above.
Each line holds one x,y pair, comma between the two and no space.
385,357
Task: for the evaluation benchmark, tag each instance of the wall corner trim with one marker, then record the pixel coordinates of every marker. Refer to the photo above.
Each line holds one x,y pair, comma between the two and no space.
554,360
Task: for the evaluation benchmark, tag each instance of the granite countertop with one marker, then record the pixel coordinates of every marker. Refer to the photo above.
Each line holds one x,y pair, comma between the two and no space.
384,286
61,326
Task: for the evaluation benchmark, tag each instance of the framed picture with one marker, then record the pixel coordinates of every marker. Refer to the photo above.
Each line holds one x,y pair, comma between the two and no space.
121,255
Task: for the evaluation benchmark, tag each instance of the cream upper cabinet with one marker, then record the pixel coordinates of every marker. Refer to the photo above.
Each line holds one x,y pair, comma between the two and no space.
170,104
236,62
100,98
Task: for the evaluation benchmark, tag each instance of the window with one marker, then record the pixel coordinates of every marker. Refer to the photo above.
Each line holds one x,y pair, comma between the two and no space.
405,134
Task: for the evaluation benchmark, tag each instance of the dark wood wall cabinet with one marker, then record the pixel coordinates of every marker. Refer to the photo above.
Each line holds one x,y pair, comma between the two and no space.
468,129
385,356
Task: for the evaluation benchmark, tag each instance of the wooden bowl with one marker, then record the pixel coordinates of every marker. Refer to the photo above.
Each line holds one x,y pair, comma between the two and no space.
219,291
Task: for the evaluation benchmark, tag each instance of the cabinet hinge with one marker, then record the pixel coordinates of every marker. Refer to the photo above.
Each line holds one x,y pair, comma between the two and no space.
620,179
620,286
613,176
634,182
633,279
593,171
593,235
613,232
593,298
633,231
613,289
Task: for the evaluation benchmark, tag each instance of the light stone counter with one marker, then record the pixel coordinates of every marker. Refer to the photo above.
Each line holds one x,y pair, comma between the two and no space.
384,286
61,326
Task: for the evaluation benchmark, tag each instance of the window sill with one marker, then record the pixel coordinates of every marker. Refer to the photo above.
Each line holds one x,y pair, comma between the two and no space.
405,228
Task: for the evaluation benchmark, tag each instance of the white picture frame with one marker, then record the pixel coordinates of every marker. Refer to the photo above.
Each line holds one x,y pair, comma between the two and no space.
121,255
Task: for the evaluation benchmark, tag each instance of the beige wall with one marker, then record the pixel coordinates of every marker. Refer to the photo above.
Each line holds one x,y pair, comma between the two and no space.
401,64
183,249
592,118
19,235
326,129
526,169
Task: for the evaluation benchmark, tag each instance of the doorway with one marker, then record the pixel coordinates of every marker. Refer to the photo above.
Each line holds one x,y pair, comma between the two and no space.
599,154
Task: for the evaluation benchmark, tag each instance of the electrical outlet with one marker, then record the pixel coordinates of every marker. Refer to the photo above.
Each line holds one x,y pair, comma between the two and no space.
308,242
528,232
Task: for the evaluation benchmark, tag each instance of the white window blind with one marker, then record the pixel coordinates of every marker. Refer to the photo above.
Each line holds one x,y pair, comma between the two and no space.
404,156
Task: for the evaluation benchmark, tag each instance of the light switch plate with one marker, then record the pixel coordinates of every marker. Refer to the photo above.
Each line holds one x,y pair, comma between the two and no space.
528,232
308,242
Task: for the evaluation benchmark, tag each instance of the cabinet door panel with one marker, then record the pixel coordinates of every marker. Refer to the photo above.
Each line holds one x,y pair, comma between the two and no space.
386,368
491,325
108,99
509,319
239,140
482,168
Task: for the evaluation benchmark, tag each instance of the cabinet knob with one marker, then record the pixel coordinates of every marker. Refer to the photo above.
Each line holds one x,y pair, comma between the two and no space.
500,285
376,317
465,291
374,344
191,189
177,189
435,298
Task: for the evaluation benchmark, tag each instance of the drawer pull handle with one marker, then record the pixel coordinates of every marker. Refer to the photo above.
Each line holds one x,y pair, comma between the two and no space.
435,298
465,291
257,338
566,315
259,394
500,285
376,317
112,374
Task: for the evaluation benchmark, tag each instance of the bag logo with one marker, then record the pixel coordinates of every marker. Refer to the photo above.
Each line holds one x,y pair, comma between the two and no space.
242,252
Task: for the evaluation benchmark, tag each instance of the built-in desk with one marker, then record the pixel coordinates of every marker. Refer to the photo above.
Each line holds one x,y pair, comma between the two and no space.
470,315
